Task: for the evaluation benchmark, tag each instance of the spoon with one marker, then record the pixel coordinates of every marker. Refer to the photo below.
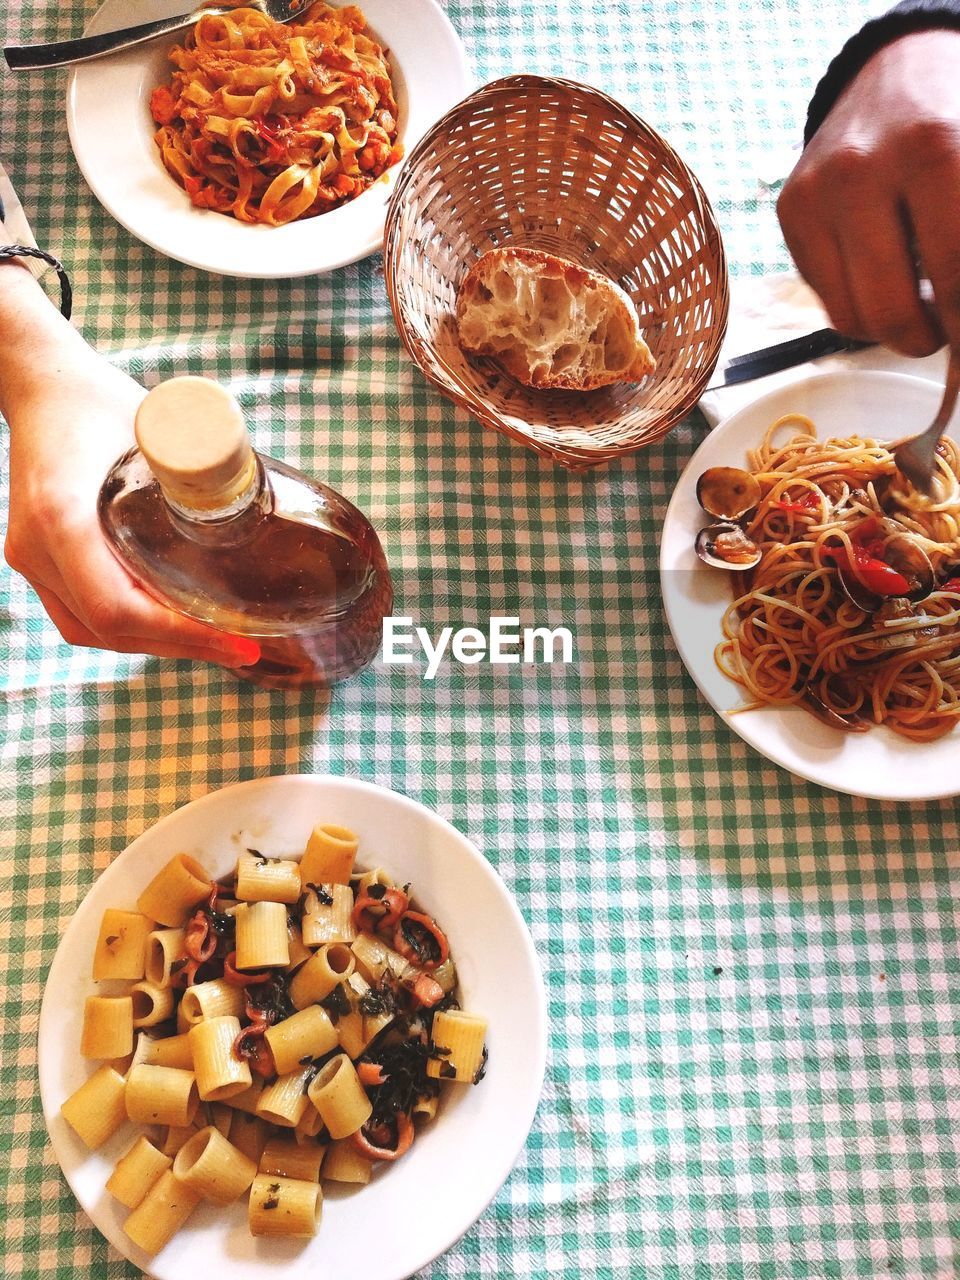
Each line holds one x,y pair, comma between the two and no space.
916,458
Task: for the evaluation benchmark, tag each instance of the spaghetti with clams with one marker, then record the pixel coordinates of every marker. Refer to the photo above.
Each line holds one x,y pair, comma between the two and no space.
270,122
853,609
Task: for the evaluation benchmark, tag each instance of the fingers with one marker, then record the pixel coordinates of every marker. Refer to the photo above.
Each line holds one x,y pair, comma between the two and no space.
75,633
883,283
845,227
103,608
814,248
934,207
69,626
94,602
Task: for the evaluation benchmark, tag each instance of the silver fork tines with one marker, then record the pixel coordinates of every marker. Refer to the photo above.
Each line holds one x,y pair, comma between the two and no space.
916,458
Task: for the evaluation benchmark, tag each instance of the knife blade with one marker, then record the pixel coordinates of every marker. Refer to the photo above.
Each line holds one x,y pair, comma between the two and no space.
784,355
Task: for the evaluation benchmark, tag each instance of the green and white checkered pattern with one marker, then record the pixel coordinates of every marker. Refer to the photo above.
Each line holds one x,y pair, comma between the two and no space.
752,983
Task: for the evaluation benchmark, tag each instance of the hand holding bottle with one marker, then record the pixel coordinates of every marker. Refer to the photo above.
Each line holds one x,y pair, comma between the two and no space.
245,542
71,416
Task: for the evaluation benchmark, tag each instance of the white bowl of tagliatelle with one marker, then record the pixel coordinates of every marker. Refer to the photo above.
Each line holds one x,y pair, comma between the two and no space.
253,148
286,1012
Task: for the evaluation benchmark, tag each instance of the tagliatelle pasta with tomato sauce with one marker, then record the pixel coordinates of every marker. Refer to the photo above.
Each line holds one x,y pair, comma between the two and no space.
283,1056
270,122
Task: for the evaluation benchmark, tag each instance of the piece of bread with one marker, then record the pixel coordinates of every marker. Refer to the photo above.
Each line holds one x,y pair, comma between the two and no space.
550,323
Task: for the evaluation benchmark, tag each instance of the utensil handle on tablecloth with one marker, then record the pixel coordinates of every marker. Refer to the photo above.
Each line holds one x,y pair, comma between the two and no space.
31,57
785,355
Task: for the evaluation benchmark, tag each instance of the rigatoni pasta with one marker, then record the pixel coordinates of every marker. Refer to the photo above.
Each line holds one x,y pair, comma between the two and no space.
171,1051
161,1213
175,1136
344,1163
261,929
310,1125
174,891
220,1073
262,879
292,1159
284,1101
107,1027
136,1172
97,1109
329,856
339,1097
213,999
249,1099
307,1034
299,953
164,947
328,915
374,958
367,1018
213,1167
300,1029
284,1206
248,1133
329,965
458,1041
161,1095
121,944
220,1116
151,1004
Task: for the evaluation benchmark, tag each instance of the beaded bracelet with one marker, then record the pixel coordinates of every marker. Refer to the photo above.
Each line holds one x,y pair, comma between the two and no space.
26,251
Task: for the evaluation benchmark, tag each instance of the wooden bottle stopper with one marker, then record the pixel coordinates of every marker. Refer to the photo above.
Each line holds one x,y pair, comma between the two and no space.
192,433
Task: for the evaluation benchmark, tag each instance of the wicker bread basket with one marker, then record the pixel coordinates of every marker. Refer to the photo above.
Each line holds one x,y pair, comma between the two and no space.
555,165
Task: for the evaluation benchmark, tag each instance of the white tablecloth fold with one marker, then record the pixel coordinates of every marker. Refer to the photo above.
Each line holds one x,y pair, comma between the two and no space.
765,310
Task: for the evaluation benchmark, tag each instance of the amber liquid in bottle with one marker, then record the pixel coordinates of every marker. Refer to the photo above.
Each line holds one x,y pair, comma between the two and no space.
285,560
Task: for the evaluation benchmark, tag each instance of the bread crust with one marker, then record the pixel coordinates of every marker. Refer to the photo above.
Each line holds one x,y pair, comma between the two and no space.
549,322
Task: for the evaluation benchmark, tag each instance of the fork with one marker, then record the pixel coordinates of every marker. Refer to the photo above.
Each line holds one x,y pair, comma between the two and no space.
916,458
30,57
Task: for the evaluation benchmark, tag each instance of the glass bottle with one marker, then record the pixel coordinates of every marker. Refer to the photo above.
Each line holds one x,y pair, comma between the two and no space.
244,542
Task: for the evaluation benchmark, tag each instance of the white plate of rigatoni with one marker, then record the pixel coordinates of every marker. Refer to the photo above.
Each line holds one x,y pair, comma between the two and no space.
273,1073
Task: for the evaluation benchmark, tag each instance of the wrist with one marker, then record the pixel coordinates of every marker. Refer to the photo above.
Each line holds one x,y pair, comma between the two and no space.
29,254
36,342
14,275
9,265
915,53
908,19
23,300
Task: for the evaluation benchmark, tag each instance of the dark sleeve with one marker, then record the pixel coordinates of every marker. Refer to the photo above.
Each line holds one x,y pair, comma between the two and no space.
902,20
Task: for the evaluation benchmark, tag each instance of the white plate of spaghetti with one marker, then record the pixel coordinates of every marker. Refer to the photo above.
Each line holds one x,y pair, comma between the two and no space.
410,1210
257,149
831,657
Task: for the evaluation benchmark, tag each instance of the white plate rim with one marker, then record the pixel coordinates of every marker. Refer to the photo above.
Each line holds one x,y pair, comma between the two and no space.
113,14
65,1145
913,779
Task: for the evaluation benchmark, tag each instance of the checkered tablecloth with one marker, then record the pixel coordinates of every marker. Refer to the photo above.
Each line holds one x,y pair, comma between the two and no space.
752,983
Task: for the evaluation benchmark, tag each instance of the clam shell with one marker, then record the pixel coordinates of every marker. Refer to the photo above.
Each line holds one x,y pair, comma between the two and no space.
826,715
729,493
707,549
902,553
